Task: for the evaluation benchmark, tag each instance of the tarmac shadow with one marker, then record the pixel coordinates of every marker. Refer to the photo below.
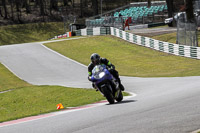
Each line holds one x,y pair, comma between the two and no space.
123,102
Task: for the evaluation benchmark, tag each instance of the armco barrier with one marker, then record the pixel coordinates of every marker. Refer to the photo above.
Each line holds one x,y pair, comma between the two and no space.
171,48
93,31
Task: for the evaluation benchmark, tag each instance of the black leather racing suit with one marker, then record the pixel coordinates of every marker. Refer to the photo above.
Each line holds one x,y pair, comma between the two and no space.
109,65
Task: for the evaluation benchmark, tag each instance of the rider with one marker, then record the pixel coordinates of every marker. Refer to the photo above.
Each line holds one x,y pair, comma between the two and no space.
95,58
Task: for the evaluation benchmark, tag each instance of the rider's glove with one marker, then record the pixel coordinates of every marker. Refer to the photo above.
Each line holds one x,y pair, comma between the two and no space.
112,67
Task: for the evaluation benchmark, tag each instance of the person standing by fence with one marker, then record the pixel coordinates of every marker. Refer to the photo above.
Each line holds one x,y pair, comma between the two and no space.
126,23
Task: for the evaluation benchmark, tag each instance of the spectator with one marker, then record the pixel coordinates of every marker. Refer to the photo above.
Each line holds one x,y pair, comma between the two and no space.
126,24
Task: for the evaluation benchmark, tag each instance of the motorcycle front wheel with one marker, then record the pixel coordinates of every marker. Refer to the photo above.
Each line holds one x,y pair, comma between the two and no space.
108,95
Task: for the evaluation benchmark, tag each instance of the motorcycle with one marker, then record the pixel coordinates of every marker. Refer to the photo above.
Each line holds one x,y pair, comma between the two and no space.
105,82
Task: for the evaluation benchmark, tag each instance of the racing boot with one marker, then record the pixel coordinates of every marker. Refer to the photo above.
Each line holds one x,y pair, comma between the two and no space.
120,85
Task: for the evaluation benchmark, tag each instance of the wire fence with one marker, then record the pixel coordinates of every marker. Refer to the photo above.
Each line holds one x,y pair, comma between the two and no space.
187,32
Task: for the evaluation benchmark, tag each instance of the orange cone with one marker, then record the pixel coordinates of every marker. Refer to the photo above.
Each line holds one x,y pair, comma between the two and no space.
60,106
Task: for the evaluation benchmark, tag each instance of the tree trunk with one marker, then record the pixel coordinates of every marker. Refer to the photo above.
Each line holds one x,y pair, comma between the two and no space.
54,4
5,9
189,10
95,6
50,7
41,8
65,2
12,12
37,3
81,8
17,5
149,3
26,6
170,8
1,12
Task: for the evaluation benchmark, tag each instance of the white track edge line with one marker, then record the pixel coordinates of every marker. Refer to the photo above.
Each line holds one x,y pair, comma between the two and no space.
62,55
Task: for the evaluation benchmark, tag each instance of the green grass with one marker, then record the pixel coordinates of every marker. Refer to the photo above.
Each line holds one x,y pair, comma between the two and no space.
129,59
34,100
14,34
10,81
28,100
171,37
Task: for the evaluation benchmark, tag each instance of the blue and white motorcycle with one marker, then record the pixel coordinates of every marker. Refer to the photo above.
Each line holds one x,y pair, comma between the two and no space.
104,81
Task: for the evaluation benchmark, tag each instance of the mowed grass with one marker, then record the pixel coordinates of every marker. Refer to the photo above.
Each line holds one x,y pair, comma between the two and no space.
171,37
27,100
9,81
14,34
129,59
34,100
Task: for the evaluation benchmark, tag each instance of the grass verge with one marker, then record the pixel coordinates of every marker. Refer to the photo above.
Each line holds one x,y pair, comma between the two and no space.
14,34
28,100
129,59
171,37
34,100
9,81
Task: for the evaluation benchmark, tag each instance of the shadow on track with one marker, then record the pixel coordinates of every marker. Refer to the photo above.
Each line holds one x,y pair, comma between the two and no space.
126,101
123,102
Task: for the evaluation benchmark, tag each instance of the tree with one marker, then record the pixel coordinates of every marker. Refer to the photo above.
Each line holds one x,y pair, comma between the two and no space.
95,6
1,10
65,2
81,8
5,9
26,5
170,8
41,3
12,7
189,10
149,3
18,8
54,4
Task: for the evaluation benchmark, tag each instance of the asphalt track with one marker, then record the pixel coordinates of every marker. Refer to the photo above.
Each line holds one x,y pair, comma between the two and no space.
162,105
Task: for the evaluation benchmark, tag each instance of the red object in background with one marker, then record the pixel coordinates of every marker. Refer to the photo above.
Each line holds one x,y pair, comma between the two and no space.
127,23
129,20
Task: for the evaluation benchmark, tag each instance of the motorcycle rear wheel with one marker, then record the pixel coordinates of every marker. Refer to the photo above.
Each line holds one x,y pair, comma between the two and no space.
120,97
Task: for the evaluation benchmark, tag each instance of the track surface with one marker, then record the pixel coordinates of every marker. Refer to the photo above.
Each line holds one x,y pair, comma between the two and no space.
162,105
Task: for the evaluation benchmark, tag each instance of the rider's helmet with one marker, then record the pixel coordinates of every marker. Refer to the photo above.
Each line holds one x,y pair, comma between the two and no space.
95,58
